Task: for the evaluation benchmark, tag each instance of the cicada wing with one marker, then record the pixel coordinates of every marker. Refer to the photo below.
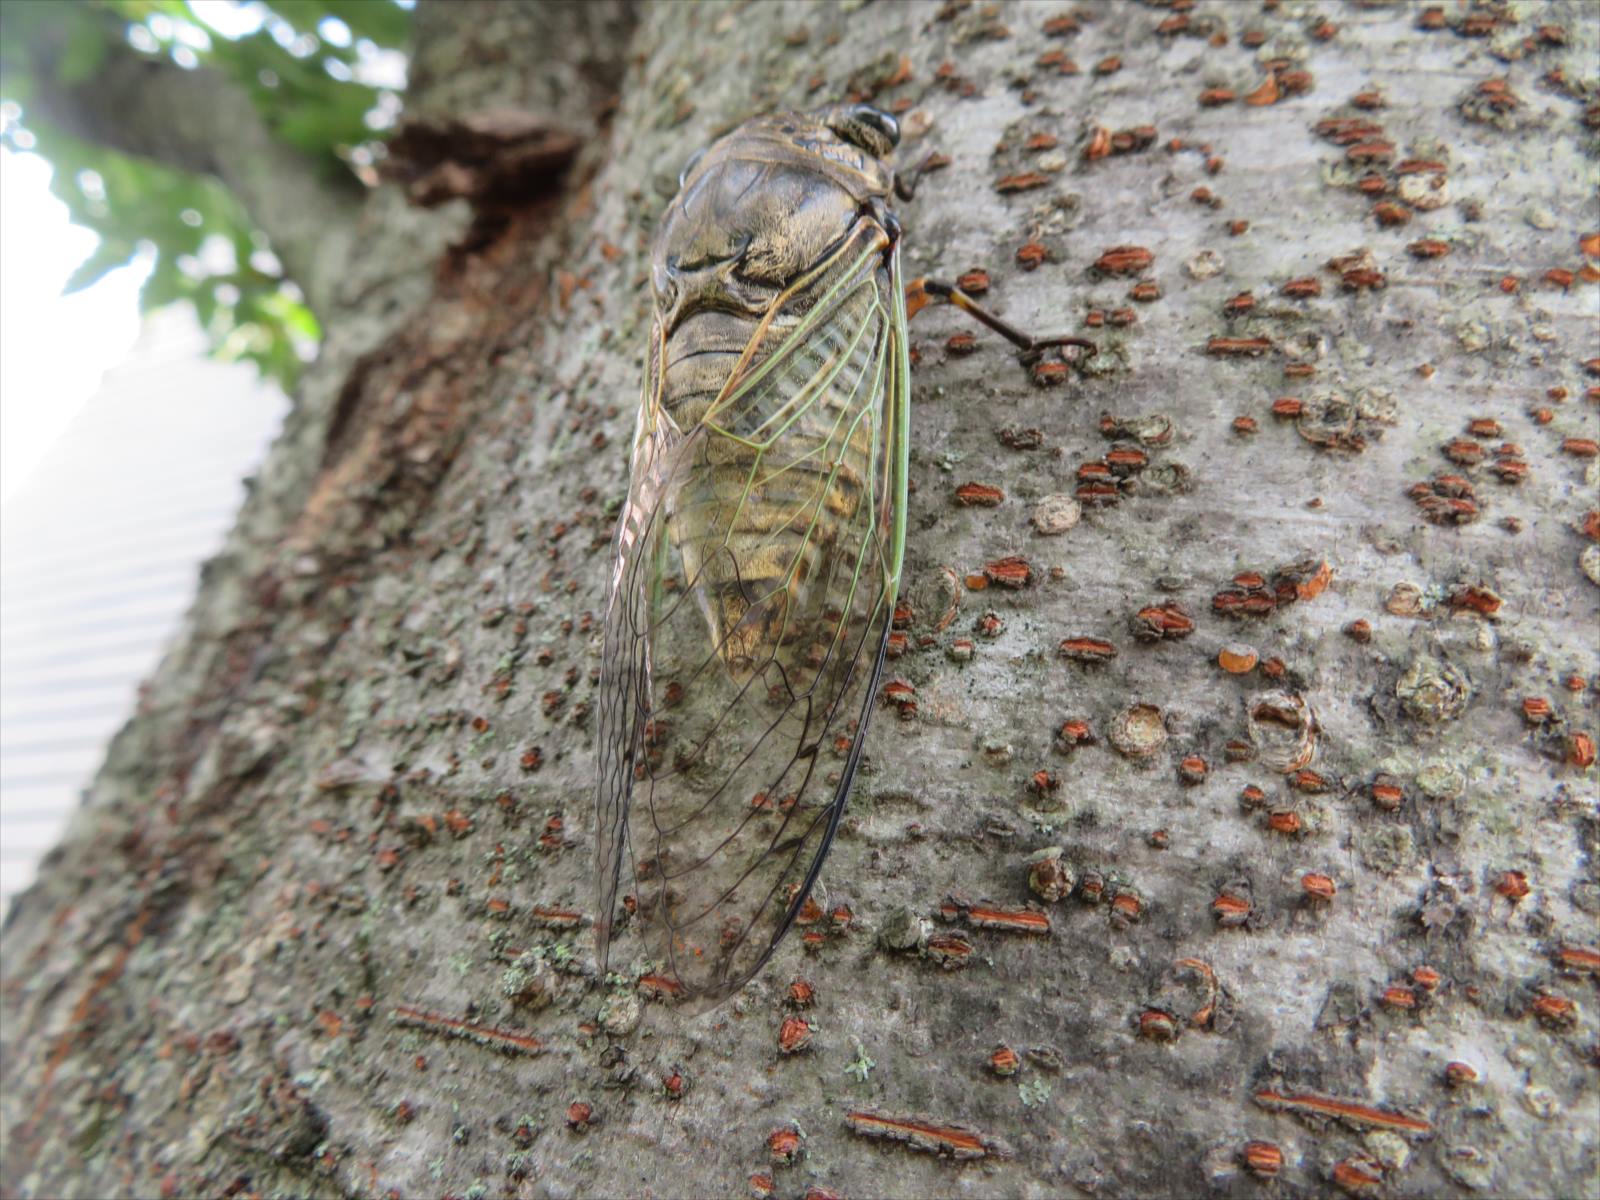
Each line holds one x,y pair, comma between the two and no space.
755,587
625,663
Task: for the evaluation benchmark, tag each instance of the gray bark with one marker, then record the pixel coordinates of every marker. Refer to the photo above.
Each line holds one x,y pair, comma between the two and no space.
281,943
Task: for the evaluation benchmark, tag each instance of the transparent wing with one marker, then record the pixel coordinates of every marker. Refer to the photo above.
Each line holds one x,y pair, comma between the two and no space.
757,564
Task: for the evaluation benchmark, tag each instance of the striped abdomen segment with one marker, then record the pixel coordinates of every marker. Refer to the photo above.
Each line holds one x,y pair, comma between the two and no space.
780,470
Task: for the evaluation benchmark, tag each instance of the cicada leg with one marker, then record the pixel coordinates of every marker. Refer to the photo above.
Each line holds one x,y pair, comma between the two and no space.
905,185
922,292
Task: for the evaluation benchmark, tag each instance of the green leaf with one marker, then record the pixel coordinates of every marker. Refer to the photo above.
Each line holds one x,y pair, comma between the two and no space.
206,307
84,52
164,286
142,10
110,254
381,21
295,317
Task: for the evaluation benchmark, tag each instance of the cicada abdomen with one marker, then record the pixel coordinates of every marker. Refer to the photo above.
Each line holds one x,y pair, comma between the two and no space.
758,554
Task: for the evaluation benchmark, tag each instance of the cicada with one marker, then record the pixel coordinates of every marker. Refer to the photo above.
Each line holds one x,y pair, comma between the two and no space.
758,554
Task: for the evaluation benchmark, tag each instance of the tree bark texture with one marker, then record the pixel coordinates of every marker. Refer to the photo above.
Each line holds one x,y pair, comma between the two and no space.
321,926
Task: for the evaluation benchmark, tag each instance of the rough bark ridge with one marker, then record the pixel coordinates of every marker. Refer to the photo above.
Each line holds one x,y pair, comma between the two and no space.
319,929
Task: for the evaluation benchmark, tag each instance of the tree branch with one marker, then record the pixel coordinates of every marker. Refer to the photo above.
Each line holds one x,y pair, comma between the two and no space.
200,121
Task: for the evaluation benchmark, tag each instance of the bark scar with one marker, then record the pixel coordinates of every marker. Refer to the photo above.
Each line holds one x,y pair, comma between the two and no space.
497,158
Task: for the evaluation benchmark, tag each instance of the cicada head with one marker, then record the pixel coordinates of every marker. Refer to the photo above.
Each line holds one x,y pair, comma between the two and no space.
766,202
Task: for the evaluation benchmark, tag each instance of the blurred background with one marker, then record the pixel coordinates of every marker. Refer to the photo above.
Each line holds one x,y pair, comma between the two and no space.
149,338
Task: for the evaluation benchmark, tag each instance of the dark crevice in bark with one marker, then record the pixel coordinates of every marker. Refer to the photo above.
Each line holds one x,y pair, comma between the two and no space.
492,160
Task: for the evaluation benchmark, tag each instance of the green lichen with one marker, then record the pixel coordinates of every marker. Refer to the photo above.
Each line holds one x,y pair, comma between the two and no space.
861,1066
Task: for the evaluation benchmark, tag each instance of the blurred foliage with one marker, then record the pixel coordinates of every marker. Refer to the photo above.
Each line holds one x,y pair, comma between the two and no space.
314,69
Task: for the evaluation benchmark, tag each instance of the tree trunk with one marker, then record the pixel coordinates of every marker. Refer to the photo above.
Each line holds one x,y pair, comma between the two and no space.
310,932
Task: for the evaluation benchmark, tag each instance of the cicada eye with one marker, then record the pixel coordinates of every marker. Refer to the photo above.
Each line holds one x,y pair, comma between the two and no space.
874,130
688,167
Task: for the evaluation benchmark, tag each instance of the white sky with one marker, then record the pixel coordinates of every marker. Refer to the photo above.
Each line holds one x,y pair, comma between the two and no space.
53,348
